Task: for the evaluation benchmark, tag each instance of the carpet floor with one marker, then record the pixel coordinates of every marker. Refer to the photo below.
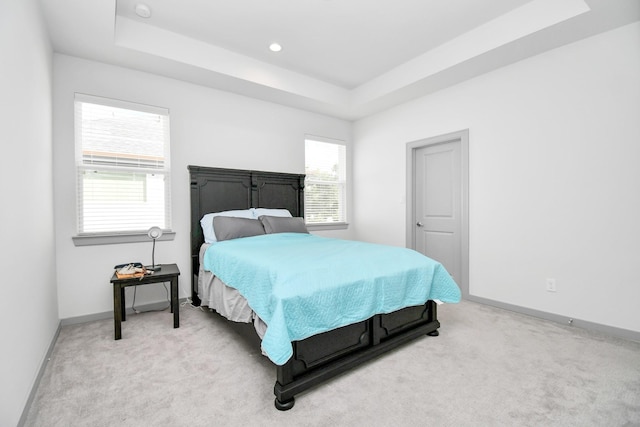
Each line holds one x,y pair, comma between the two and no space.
488,367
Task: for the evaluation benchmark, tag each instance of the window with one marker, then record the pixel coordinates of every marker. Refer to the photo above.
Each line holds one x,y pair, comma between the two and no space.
325,190
123,167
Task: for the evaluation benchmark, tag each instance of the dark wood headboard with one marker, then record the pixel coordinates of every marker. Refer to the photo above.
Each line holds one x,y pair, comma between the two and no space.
216,190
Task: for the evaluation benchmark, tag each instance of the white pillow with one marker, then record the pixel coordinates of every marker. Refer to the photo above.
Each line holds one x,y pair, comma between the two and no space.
207,222
258,212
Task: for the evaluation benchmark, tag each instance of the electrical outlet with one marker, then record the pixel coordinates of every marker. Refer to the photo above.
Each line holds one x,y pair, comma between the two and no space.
551,285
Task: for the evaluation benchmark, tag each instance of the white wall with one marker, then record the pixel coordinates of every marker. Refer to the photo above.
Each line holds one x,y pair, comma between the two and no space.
554,177
28,293
208,128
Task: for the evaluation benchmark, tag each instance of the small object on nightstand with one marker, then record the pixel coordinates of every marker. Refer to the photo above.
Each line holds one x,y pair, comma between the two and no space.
135,264
129,271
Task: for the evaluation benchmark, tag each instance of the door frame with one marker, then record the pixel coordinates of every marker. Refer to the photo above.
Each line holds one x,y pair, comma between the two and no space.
412,147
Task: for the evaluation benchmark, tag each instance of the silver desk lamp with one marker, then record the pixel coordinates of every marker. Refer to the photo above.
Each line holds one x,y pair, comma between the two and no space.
154,233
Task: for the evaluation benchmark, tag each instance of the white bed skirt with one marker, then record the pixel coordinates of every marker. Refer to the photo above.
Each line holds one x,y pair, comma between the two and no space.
226,301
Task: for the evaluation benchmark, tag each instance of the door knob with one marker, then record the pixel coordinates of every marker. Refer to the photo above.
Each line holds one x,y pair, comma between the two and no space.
419,224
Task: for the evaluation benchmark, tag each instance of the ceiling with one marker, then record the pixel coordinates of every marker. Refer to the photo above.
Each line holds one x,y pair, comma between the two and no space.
344,58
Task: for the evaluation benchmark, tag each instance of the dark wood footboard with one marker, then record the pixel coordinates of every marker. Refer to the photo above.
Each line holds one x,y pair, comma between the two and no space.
323,356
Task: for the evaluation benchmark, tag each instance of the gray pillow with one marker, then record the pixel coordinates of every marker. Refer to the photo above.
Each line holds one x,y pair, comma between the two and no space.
227,227
276,224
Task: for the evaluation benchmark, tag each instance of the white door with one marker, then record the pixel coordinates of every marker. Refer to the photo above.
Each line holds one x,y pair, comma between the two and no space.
439,220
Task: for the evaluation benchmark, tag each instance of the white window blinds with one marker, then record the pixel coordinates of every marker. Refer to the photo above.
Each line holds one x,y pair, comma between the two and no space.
325,190
123,166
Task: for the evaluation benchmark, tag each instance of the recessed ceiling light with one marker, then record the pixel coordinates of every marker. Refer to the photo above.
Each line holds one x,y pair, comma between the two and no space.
143,11
275,47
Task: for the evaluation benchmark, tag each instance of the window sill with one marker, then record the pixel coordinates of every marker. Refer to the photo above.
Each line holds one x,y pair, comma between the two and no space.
328,226
111,239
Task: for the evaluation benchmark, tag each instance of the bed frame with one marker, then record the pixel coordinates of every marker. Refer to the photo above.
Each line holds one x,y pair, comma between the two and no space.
322,356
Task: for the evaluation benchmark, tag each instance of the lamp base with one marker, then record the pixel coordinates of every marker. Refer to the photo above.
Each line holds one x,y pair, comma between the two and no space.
153,267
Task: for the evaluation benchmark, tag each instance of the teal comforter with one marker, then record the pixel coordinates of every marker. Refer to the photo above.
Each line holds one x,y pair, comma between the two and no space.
302,284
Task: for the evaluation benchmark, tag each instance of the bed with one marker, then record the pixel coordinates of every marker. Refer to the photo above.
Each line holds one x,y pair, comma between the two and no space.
306,362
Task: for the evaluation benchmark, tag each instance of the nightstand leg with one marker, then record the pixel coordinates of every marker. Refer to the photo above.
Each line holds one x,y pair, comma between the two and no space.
174,302
117,311
123,304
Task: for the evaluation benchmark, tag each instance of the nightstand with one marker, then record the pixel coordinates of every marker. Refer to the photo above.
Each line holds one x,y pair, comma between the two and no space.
168,273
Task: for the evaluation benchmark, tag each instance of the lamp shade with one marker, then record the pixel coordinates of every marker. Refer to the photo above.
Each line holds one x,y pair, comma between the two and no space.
154,233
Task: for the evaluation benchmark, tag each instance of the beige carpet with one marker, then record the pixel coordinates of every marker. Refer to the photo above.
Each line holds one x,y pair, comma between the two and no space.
488,367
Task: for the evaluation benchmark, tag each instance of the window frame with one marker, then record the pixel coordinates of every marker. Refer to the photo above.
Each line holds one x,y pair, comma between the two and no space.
338,225
123,236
